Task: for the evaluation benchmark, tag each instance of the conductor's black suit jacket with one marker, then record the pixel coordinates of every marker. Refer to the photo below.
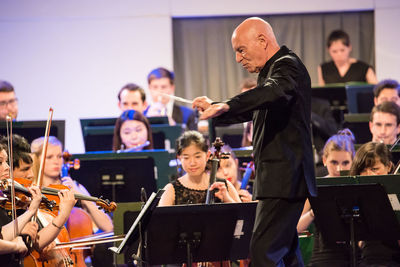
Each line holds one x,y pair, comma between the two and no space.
280,108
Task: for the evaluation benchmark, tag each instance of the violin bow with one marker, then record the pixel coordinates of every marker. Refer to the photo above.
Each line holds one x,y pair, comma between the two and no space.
44,148
44,152
10,159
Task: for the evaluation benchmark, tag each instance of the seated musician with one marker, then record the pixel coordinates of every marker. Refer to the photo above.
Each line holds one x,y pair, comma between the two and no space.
22,168
132,96
132,131
191,188
8,101
52,175
338,154
374,159
229,170
387,90
11,244
162,81
22,159
385,123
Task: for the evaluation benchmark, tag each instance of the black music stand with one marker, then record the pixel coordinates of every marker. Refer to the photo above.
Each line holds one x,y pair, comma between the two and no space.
199,233
354,212
138,226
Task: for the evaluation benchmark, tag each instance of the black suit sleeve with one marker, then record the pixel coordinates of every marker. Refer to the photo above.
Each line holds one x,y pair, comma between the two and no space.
280,86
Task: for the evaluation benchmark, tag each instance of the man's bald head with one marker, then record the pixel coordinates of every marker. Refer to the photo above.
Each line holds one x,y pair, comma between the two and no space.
254,43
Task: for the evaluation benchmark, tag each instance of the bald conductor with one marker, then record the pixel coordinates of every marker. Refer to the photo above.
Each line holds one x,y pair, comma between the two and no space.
280,108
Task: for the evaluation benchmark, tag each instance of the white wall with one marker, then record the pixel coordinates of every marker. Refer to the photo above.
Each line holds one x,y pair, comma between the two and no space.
76,55
387,39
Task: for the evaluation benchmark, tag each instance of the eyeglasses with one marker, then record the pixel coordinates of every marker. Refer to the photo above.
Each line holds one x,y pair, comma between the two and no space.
11,102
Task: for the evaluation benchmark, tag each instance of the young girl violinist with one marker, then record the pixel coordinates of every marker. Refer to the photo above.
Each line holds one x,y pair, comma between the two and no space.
191,188
52,171
11,244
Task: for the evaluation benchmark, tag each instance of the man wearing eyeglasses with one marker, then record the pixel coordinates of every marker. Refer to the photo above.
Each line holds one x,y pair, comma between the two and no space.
8,101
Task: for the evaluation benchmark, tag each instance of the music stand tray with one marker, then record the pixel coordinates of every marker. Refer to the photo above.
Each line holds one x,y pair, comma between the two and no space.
354,212
215,232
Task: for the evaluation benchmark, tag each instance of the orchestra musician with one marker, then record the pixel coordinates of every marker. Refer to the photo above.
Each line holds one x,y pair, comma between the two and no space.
42,239
229,170
375,159
191,188
338,154
22,159
132,130
52,175
343,68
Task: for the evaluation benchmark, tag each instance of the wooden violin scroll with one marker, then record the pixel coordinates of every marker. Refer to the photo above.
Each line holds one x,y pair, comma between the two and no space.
106,205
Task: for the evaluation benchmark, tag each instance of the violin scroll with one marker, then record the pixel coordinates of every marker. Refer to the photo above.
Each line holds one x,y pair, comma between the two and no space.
106,205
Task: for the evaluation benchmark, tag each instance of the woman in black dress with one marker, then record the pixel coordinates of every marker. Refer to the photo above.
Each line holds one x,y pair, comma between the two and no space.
343,68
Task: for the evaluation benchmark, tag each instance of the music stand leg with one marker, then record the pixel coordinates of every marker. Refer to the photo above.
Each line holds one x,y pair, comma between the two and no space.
190,242
355,215
189,255
353,244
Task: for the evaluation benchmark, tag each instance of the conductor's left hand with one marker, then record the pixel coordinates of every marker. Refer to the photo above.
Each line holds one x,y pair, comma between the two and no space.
203,104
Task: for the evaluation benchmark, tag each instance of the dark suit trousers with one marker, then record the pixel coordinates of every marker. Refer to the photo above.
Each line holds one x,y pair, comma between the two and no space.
274,241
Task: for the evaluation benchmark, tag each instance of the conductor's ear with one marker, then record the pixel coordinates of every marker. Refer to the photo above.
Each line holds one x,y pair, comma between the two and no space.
262,40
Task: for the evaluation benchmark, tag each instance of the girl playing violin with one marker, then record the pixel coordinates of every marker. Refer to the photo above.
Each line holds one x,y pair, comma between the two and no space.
52,171
191,188
11,244
132,130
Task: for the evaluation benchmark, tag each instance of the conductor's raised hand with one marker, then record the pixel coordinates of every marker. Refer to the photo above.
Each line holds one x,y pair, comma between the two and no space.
203,104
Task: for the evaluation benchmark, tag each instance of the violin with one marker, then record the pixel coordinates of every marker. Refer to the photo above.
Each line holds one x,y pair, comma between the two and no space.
22,195
51,192
50,199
